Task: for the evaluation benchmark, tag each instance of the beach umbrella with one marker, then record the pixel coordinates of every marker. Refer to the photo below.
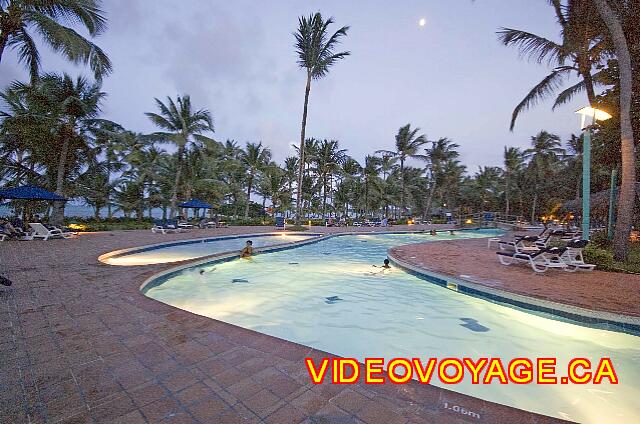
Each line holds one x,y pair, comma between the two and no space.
195,204
30,193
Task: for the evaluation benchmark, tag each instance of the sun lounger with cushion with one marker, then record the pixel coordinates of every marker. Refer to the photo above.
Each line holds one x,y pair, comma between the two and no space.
540,261
573,256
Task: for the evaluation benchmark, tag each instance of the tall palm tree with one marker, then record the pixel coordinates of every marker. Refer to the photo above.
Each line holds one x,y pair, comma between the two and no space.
19,19
370,172
69,109
255,158
513,163
315,50
183,126
440,152
408,143
629,158
579,51
542,155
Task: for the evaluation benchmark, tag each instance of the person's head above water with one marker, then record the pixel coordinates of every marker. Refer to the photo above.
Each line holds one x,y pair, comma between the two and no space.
249,243
386,263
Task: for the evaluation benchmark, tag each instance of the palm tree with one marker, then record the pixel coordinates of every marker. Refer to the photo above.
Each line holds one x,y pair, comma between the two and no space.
327,160
183,126
315,49
255,158
408,143
580,49
513,163
543,154
627,189
20,18
370,172
440,152
69,108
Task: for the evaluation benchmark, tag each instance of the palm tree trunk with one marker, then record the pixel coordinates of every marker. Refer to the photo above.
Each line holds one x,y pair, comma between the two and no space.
627,189
3,43
302,136
533,207
176,184
402,184
57,214
430,200
249,187
507,193
324,196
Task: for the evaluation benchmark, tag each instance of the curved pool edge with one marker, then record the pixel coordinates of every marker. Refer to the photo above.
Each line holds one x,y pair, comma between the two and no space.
228,256
560,311
137,249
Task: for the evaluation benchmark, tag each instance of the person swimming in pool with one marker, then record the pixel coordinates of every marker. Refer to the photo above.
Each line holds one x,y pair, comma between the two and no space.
433,233
383,267
248,250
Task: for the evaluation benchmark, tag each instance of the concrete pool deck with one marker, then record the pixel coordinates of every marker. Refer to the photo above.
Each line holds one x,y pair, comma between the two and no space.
80,343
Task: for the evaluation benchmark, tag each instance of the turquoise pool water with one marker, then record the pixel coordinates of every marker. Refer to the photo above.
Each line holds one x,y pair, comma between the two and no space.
192,249
395,314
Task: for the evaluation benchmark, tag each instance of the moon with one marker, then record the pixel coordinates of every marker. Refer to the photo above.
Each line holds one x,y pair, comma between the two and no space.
422,22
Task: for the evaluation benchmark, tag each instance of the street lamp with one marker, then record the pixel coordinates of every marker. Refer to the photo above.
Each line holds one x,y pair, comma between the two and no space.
595,115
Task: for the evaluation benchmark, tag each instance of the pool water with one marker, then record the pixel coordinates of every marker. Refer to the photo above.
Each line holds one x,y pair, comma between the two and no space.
192,249
327,295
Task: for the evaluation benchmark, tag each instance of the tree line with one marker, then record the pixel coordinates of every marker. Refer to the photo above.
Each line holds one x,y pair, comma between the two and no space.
52,132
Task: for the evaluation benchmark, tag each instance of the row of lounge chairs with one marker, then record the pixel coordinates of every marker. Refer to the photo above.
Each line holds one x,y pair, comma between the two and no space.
177,225
540,255
35,231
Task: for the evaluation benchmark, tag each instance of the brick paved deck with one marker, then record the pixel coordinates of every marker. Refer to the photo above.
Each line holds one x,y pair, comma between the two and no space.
600,291
79,343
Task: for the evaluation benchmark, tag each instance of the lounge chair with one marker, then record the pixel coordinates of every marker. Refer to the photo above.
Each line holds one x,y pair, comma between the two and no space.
540,261
169,226
280,222
573,256
184,224
3,237
44,233
521,244
207,223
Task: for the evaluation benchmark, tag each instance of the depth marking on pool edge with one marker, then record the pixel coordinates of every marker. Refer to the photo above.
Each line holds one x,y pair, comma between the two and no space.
460,410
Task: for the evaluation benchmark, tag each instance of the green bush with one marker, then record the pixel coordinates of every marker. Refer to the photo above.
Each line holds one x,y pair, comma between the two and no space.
603,259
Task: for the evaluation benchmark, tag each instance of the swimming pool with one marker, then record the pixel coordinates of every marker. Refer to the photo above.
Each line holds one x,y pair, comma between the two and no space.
192,249
288,294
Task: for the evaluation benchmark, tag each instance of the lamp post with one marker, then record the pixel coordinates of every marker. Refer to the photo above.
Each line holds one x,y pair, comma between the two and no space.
595,115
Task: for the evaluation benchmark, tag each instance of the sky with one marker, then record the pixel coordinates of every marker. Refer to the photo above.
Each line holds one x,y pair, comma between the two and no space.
451,77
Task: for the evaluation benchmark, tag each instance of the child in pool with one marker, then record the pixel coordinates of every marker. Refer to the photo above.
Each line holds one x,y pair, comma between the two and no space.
248,250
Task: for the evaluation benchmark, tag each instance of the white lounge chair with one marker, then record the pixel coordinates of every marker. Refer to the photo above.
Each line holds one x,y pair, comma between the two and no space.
539,261
169,226
3,237
42,232
573,256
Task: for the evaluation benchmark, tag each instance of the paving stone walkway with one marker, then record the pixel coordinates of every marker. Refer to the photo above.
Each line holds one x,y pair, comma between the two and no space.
471,260
79,343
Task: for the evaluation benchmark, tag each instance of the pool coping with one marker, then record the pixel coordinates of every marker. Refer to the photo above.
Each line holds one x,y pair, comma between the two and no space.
601,320
144,248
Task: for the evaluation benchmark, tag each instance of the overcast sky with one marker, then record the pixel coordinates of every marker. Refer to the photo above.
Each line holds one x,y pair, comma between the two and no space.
451,77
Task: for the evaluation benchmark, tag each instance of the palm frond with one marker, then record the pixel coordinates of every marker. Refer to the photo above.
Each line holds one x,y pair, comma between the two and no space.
542,90
531,45
72,45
